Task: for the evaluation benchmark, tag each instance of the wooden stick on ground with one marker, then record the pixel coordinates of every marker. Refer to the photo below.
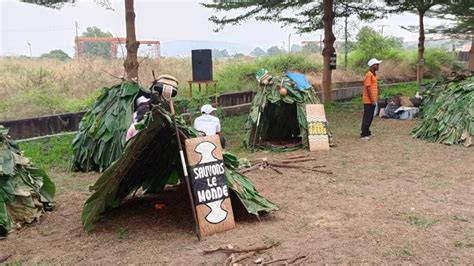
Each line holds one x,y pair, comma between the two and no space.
237,250
253,167
287,261
297,160
299,167
243,257
5,258
296,157
276,170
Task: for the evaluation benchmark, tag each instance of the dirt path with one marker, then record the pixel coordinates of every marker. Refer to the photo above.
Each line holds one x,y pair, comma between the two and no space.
392,199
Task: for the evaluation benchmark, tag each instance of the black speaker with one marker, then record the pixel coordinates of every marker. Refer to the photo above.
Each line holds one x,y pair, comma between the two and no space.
202,64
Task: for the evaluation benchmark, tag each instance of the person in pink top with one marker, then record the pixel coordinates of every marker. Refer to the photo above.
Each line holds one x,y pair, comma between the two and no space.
132,131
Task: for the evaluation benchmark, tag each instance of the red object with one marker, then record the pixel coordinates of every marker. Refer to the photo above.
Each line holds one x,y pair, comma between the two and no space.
160,206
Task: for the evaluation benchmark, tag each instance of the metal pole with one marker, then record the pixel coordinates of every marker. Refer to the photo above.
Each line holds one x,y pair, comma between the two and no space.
289,47
185,171
31,54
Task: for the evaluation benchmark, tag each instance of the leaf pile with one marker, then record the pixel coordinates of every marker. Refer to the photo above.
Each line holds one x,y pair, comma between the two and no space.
25,191
151,160
448,112
102,130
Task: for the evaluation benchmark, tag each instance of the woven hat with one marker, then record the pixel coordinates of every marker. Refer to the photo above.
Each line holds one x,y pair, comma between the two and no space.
168,80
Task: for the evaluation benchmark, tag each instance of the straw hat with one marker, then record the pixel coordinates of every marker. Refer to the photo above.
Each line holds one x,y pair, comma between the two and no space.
168,80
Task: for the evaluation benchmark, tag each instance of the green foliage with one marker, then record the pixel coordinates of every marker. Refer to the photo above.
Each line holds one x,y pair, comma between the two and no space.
409,89
49,3
216,53
24,189
101,137
257,52
274,50
56,54
52,153
312,48
448,112
97,49
305,16
241,76
371,44
435,60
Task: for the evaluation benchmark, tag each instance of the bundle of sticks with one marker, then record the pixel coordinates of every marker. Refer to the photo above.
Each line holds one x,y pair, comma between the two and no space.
289,162
239,254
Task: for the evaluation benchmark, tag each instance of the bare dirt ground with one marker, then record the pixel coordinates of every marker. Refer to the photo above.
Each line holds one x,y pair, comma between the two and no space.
393,199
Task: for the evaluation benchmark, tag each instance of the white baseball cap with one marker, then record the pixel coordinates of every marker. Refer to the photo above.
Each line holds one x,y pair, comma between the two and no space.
142,99
207,109
374,61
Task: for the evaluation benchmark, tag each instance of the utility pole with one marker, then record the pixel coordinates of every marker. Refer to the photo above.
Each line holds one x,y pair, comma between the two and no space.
382,26
289,47
31,54
77,40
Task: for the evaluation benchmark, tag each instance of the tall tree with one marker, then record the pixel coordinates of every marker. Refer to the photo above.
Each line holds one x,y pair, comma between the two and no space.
97,49
461,12
304,15
423,8
131,62
257,52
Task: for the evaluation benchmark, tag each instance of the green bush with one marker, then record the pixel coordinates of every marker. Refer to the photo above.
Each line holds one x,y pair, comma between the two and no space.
371,44
241,76
56,54
435,60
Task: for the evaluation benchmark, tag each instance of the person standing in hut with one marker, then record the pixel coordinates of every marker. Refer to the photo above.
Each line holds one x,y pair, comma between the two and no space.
208,123
370,95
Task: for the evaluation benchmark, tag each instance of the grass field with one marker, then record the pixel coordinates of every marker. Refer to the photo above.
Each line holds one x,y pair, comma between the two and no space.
37,87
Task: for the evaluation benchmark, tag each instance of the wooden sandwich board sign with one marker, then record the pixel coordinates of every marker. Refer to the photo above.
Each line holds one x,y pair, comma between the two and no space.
317,131
209,186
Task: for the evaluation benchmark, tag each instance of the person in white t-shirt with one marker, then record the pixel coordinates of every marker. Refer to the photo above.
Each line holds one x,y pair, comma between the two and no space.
208,123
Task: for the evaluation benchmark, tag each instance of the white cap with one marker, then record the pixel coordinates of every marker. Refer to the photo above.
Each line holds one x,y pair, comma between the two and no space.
374,61
207,109
142,99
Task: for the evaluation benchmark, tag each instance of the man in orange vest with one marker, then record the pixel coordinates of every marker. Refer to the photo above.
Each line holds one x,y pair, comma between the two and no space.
370,96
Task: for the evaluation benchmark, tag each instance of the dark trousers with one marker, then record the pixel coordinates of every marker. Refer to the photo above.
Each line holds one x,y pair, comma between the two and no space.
222,141
367,119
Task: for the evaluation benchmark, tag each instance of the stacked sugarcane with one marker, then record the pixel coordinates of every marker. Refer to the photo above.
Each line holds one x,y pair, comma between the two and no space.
25,190
448,112
101,135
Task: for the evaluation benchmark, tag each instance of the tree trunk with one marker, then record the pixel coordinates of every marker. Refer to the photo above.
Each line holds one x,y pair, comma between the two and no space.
346,50
131,62
421,50
471,55
328,19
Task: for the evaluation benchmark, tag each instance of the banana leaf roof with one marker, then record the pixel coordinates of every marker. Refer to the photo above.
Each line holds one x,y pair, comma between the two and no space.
151,160
282,117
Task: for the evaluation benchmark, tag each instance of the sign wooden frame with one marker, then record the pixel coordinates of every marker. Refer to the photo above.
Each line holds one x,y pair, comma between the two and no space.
318,137
209,185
